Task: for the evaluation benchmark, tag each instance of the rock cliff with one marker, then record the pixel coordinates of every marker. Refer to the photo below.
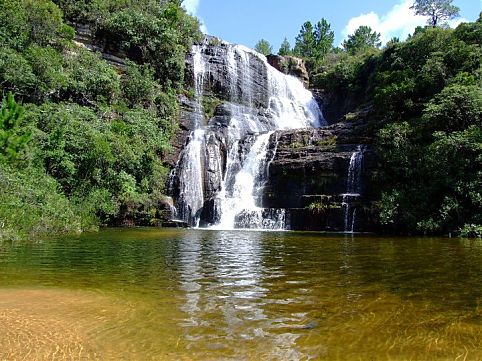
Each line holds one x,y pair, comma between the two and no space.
303,185
308,176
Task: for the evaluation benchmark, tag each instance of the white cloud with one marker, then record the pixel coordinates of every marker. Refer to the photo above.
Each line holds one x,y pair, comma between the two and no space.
399,21
191,7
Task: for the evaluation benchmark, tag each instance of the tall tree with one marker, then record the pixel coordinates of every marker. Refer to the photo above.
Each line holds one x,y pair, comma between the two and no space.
436,10
305,41
362,38
314,42
285,48
263,47
324,38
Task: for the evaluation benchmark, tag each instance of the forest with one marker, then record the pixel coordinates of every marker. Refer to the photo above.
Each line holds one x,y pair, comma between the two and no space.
82,142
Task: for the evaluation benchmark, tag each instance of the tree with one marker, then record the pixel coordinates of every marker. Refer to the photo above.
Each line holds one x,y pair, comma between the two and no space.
436,10
263,47
362,38
285,48
13,139
324,38
314,42
305,41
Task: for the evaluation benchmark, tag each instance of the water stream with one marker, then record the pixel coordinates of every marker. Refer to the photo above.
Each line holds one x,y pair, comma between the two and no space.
353,189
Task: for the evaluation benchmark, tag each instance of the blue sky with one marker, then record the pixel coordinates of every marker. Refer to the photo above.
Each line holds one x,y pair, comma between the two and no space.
247,21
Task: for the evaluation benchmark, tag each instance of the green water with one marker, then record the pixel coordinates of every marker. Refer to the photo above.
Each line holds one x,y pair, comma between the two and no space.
150,294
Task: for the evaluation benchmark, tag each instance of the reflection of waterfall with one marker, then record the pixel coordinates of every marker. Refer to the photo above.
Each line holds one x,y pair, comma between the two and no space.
353,189
222,181
220,279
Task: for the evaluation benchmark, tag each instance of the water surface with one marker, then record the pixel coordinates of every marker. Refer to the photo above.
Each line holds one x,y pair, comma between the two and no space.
150,294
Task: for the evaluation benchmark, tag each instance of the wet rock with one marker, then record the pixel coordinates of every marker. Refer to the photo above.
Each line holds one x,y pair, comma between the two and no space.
290,65
308,175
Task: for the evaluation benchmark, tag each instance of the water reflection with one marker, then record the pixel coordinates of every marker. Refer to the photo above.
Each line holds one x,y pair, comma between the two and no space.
221,295
222,277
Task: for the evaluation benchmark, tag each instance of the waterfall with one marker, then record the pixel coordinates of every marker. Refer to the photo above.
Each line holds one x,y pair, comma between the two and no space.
189,169
256,101
353,189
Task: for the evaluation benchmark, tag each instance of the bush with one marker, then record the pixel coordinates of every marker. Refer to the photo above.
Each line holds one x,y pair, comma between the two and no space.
471,231
32,205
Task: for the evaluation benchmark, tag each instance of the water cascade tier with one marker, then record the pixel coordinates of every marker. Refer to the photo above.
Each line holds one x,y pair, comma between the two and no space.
238,105
353,189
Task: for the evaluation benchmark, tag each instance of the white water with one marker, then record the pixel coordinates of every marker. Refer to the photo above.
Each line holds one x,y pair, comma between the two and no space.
353,189
247,186
190,168
289,106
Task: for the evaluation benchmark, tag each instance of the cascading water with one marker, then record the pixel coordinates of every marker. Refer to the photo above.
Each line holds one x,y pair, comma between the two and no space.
257,100
353,189
189,168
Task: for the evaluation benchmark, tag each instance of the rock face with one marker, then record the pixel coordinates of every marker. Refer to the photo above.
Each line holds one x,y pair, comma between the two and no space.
112,54
309,177
254,151
290,65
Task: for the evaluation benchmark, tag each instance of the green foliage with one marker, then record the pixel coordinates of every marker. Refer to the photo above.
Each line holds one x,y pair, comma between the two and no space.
16,73
32,205
429,106
263,47
92,137
327,144
210,104
430,149
314,42
13,139
324,38
436,10
285,48
90,79
119,159
361,39
305,41
456,108
471,231
348,76
159,33
24,22
139,85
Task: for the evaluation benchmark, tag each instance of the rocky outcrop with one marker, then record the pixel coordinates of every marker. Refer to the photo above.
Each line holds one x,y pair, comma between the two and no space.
111,53
290,65
308,177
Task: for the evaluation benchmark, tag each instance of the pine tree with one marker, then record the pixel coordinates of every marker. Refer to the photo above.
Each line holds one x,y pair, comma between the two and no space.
263,47
285,48
362,38
436,10
12,138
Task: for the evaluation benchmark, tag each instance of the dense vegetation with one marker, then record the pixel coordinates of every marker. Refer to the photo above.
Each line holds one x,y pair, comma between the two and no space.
426,96
82,141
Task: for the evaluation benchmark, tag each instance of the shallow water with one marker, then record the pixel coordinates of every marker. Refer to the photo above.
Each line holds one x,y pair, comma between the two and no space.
150,294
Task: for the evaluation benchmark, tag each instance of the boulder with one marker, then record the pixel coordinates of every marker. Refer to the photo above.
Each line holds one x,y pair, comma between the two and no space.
290,65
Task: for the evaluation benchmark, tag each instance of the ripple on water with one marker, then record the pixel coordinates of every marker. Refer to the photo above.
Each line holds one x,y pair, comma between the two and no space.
194,295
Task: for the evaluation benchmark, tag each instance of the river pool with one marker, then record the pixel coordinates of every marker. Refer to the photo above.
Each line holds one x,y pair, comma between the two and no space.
168,294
